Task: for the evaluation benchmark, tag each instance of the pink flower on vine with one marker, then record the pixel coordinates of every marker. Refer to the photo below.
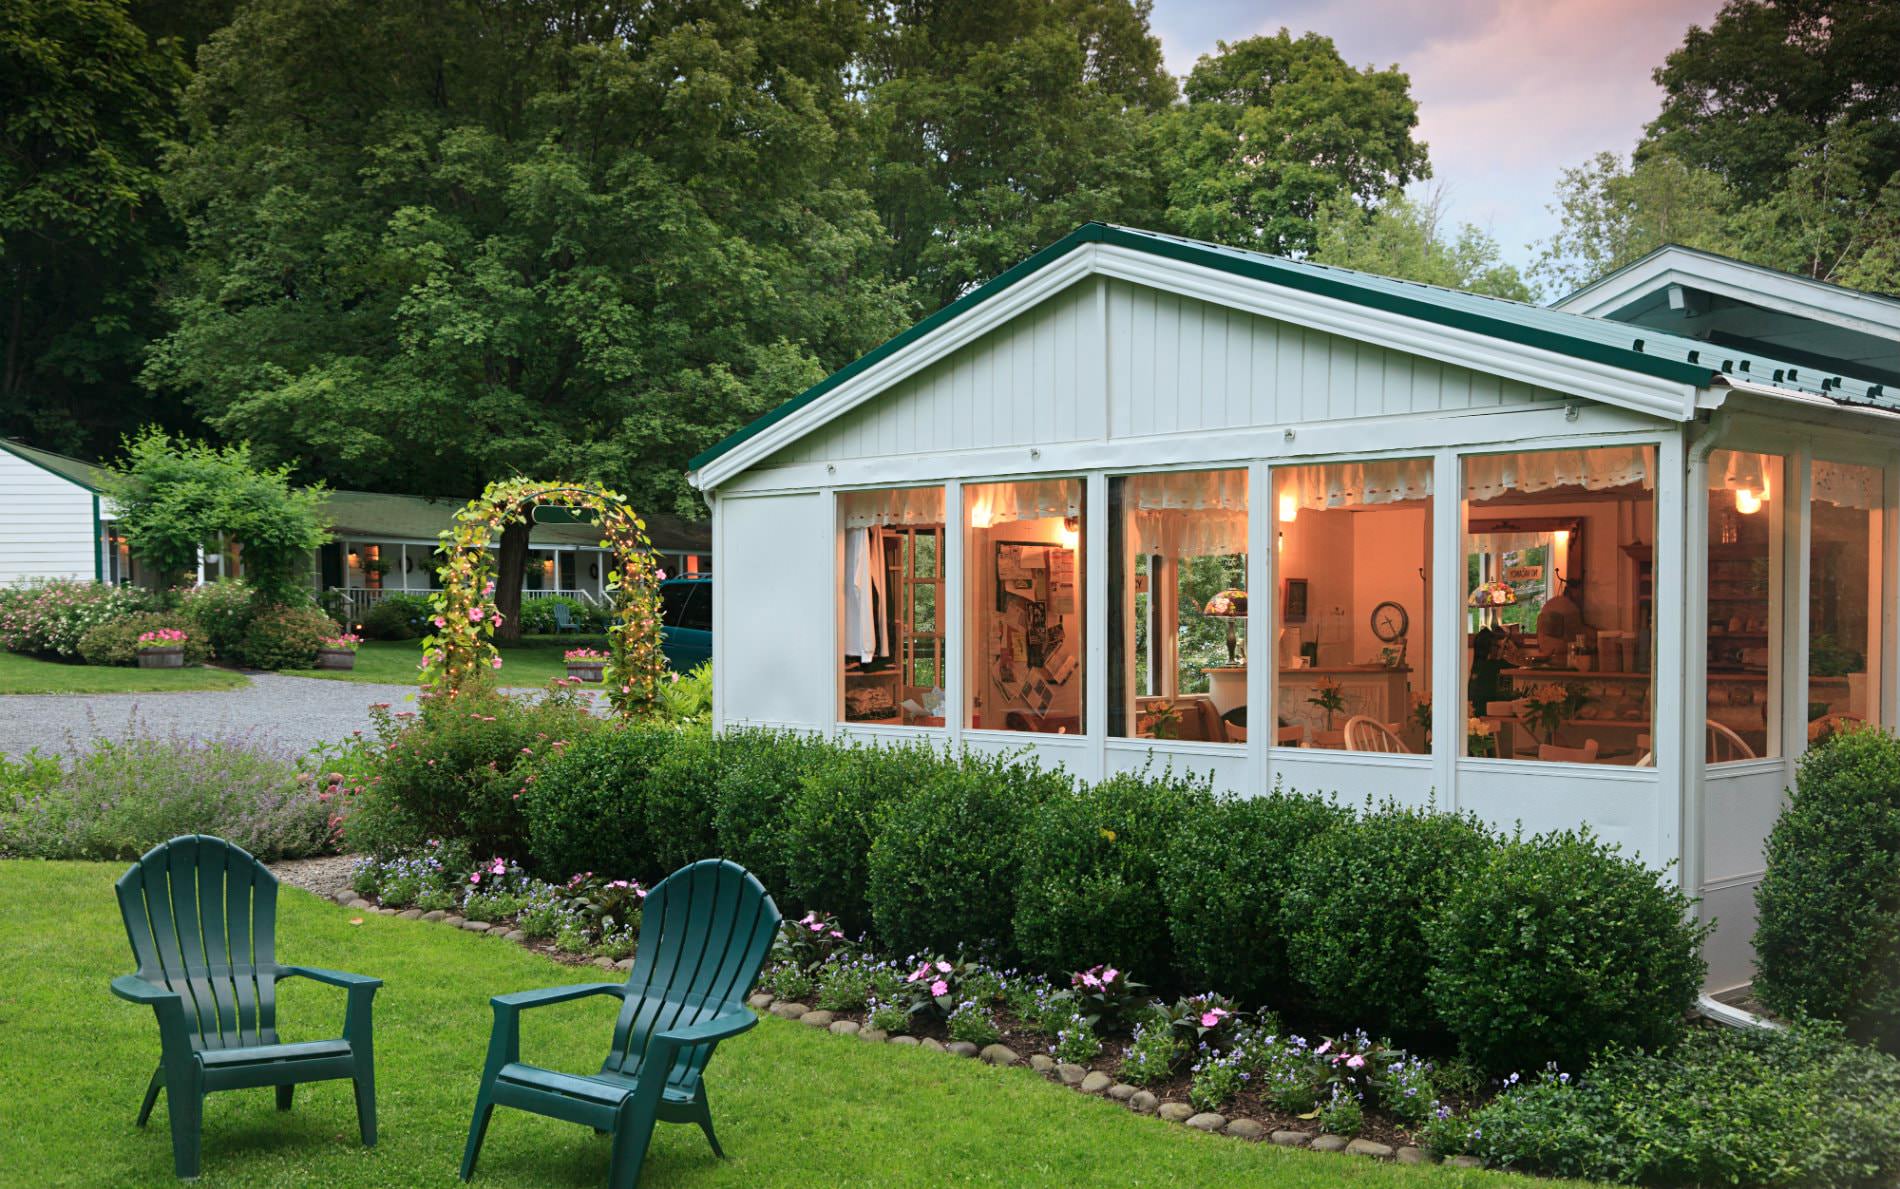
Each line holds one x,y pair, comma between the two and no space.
474,614
441,622
494,662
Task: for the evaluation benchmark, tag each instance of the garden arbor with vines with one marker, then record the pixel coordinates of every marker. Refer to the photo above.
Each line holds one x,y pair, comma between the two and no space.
461,653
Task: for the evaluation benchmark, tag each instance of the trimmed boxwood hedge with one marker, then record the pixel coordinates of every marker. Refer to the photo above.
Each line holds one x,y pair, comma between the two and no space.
1418,925
1092,859
1827,934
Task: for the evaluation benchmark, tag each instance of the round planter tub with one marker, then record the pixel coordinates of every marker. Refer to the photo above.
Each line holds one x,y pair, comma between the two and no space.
587,671
336,658
162,658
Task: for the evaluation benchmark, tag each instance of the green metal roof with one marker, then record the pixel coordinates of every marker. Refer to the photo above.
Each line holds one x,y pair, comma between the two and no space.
85,474
1597,340
370,515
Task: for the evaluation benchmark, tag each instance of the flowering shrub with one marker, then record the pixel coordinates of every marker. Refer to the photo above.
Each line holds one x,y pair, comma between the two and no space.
893,1018
280,636
1105,996
1204,1020
1342,1113
1076,1042
347,642
456,768
1218,1079
124,796
972,1023
119,641
1407,1090
810,941
850,983
1151,1055
218,613
50,618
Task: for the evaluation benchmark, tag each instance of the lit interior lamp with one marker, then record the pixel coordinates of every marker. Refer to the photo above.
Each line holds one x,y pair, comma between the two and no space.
1071,531
981,514
1491,596
1229,605
1747,502
1289,508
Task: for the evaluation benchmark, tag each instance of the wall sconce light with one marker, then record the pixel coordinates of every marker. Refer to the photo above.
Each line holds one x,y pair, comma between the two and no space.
356,561
1289,507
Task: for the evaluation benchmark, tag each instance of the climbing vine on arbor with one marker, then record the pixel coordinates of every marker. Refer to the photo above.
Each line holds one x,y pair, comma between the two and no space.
461,652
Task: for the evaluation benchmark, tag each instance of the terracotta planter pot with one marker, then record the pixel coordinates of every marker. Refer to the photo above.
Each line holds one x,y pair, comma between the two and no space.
162,658
336,658
586,670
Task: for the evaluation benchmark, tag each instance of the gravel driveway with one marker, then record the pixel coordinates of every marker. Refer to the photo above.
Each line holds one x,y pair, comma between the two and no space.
297,711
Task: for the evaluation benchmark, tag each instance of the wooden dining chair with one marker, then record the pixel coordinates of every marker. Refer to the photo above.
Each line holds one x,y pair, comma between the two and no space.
1550,753
1725,746
1365,733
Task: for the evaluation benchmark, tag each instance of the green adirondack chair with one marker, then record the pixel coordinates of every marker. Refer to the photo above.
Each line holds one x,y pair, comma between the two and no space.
202,916
704,933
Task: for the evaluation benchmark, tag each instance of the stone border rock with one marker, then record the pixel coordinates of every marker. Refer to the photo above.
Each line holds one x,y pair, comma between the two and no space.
1095,1083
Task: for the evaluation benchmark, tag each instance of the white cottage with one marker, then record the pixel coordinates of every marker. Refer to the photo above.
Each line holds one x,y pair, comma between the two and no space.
1546,566
53,525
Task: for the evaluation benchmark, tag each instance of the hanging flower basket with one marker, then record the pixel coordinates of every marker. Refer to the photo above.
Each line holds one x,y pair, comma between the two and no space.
586,664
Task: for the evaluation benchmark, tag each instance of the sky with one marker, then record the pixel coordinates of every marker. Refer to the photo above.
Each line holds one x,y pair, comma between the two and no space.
1510,92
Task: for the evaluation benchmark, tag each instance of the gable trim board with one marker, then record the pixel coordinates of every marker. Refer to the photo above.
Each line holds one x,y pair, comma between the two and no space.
1427,324
1673,264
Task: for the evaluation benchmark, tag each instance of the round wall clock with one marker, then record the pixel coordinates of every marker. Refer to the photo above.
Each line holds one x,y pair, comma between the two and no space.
1389,621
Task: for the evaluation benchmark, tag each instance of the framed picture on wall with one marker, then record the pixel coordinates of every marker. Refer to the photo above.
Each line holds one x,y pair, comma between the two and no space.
1293,601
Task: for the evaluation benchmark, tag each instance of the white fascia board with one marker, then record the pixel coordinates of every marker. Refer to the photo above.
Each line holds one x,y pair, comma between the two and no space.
900,365
1865,312
1609,385
1479,352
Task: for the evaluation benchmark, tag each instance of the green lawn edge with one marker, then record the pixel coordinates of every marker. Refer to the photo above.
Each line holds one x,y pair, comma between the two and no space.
31,675
795,1107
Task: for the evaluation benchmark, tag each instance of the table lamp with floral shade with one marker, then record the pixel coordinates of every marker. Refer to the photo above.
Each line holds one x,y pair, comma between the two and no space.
1491,597
1229,605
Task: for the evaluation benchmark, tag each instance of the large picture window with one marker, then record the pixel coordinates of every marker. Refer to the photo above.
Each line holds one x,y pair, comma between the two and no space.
1023,586
1178,606
1844,595
1747,501
1352,638
1560,610
891,606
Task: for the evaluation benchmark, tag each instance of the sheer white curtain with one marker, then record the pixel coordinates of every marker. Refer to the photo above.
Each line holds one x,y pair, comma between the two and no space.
1187,513
1597,468
1849,485
891,506
1026,499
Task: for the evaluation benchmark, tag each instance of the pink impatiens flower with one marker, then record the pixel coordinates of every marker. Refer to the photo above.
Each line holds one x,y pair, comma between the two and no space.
939,988
474,877
943,966
1355,1062
1210,1018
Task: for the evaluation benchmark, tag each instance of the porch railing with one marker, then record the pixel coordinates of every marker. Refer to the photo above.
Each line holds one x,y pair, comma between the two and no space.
358,601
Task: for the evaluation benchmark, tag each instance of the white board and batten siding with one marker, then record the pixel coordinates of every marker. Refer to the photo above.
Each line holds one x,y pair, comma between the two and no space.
49,529
1109,360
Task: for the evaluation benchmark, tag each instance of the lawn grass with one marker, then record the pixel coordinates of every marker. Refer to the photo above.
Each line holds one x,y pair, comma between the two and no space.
795,1108
30,675
533,662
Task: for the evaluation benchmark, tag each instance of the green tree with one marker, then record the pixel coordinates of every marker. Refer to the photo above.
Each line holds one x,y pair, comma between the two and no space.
436,244
1748,95
86,101
1406,238
1274,128
1611,213
172,497
997,126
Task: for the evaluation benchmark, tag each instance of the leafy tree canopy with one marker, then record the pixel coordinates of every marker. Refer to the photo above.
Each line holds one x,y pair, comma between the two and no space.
998,126
1274,128
172,497
1407,238
86,101
436,243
